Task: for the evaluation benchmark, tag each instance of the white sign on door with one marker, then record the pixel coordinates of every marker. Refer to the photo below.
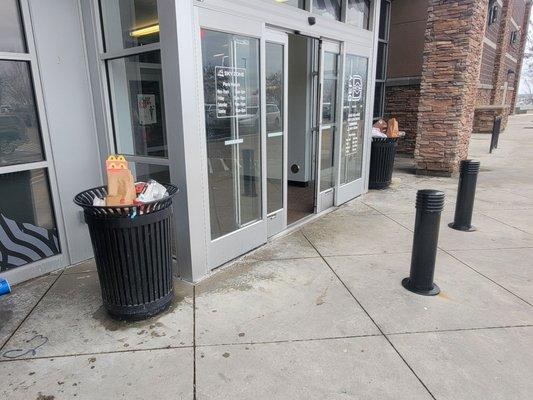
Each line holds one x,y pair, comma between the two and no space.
230,84
147,109
355,94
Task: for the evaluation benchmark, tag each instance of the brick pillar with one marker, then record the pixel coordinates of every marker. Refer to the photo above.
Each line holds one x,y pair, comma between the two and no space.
523,42
450,73
500,68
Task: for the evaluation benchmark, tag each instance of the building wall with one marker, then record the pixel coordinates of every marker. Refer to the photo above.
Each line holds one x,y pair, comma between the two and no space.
501,59
407,28
67,91
488,60
405,63
483,96
402,92
401,102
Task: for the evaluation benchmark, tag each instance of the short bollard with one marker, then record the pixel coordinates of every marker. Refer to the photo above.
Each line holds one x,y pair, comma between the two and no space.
465,196
496,127
429,205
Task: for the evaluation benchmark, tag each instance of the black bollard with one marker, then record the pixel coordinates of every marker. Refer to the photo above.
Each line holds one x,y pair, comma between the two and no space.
465,196
429,205
496,127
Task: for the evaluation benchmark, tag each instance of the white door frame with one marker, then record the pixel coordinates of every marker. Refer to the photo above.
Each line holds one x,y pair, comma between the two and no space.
326,198
246,238
350,190
277,220
243,18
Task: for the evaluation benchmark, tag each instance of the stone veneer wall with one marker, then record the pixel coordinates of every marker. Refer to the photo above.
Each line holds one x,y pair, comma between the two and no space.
450,74
484,118
483,97
401,102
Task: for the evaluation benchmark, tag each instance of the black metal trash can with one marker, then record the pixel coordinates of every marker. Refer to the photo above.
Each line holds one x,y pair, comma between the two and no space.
133,253
382,156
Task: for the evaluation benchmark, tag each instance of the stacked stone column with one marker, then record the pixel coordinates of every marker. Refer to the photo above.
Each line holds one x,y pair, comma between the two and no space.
450,74
500,72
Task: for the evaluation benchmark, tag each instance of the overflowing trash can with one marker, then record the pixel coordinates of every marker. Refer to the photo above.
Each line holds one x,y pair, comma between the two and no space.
382,156
133,252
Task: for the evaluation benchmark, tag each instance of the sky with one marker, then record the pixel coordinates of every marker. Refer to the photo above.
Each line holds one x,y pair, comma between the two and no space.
523,88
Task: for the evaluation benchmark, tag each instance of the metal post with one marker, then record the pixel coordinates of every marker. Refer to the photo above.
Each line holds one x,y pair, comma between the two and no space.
429,205
465,196
496,127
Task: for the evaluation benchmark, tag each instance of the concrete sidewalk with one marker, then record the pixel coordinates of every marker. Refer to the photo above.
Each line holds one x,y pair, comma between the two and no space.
317,314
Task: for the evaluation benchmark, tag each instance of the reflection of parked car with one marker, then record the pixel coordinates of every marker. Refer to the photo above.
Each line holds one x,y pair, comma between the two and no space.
220,128
273,118
12,133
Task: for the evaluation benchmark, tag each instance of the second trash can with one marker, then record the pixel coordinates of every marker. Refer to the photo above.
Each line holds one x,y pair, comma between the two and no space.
133,253
382,157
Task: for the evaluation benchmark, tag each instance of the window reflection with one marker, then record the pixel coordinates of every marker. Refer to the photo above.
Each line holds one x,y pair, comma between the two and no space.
144,172
233,129
28,231
294,3
136,85
353,118
274,119
358,12
20,139
11,30
329,97
328,8
129,23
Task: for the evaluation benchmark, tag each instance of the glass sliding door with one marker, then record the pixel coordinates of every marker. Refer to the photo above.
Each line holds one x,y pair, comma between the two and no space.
353,118
276,129
328,123
234,123
354,125
233,129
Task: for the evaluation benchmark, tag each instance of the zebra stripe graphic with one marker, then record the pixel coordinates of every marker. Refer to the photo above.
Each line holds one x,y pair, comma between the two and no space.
24,243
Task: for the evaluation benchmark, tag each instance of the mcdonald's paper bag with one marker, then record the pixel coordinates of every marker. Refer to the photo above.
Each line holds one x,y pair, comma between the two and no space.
120,182
392,128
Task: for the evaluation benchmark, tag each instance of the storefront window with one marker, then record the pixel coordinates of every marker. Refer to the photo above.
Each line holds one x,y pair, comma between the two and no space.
384,20
11,32
353,118
381,66
328,8
28,231
136,87
143,172
274,121
20,138
293,3
381,62
233,129
358,12
129,23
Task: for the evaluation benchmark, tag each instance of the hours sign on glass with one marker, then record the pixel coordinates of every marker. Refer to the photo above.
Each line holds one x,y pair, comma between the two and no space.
230,83
354,95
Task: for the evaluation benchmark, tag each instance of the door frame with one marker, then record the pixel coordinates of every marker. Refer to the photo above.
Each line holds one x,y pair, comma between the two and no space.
277,220
244,18
250,236
326,198
350,190
30,58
